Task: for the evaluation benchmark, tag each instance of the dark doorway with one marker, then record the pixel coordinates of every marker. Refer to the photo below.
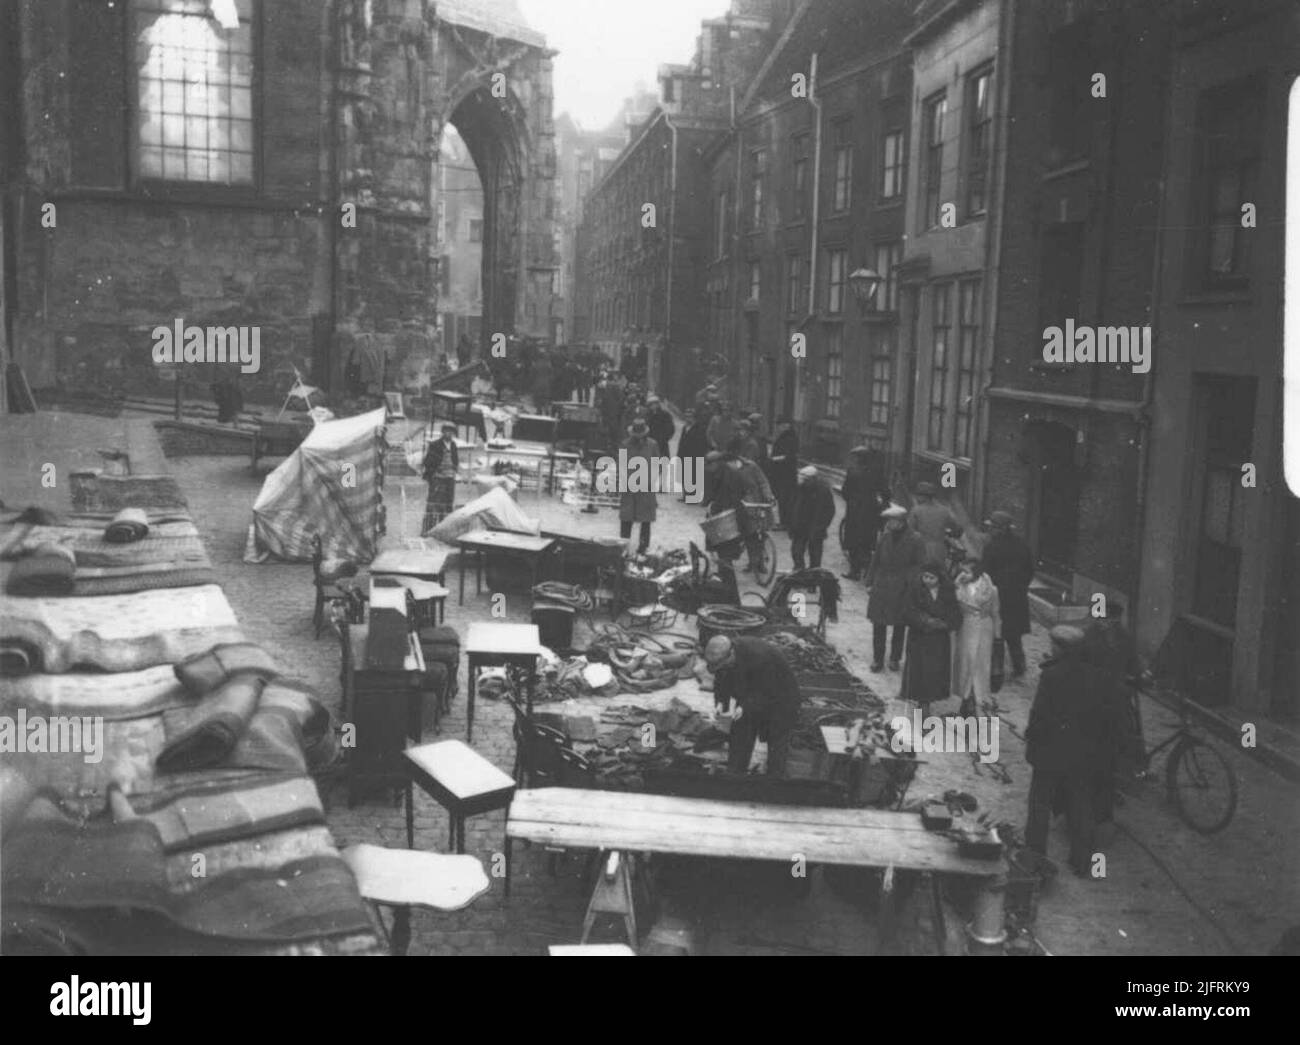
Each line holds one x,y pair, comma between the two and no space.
1054,497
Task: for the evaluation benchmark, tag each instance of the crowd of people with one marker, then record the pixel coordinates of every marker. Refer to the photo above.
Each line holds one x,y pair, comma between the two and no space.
946,606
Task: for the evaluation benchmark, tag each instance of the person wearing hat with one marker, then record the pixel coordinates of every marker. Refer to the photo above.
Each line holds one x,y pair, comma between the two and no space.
743,444
722,427
1064,743
931,614
639,506
864,497
757,678
934,522
439,468
814,508
1113,652
785,464
899,552
694,440
737,482
662,425
1010,565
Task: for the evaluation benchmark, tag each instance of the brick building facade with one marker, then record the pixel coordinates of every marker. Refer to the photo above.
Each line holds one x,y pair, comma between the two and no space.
803,193
642,270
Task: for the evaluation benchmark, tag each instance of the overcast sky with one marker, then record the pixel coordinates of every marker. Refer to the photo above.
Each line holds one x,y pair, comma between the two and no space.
607,46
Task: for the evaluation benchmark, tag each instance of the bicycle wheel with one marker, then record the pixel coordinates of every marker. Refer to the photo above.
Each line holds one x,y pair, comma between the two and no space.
767,572
1202,785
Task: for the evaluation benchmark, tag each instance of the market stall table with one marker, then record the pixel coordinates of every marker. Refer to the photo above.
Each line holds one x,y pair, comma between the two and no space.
532,455
571,818
425,565
489,645
485,542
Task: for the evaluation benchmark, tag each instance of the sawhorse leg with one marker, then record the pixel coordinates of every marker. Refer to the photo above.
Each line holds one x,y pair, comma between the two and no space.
613,895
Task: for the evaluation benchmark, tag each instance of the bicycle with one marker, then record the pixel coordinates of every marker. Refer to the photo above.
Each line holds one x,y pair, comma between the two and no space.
1202,785
760,516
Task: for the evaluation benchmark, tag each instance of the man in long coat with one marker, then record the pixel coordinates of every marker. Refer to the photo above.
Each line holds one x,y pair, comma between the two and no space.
1064,743
863,497
899,553
1011,565
814,509
934,522
783,468
639,506
662,425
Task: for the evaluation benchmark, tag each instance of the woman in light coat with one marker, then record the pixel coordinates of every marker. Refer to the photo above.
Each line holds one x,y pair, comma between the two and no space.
977,596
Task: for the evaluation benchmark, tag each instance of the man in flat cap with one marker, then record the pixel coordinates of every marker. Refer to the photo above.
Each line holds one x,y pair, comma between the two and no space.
899,553
934,522
758,678
1064,743
814,508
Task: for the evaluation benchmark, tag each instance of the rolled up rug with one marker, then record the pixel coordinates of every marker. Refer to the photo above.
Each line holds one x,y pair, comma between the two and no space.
208,670
128,525
205,735
49,570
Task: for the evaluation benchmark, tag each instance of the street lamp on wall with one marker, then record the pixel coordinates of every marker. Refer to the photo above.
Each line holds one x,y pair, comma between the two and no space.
865,282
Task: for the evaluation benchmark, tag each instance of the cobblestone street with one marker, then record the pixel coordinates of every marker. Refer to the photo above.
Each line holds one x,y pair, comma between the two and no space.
1166,891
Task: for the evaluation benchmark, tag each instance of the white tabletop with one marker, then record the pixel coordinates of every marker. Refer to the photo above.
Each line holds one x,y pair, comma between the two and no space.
411,877
409,561
590,950
459,768
485,637
523,542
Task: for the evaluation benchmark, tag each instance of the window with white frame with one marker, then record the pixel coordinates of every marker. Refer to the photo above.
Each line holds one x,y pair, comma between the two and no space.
888,256
834,370
194,79
842,189
837,264
940,331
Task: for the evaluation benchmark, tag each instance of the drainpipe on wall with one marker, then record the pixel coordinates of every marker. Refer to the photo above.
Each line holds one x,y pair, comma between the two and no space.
993,247
1149,378
816,103
333,15
737,212
672,241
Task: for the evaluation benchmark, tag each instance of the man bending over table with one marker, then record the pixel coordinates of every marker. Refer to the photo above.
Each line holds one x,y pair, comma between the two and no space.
757,677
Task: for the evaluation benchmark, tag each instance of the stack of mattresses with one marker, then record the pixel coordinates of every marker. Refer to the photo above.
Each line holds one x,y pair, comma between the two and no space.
156,790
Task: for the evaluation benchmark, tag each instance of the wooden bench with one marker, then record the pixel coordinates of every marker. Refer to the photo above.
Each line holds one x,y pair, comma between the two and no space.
631,822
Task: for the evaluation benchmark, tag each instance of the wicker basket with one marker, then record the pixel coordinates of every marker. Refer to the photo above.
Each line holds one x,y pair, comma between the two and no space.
721,528
759,516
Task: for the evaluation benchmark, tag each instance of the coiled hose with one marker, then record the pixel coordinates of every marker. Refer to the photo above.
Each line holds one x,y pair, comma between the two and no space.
565,594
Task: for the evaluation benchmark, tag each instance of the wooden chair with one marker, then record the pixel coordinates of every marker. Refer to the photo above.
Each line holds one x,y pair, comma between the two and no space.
326,581
299,390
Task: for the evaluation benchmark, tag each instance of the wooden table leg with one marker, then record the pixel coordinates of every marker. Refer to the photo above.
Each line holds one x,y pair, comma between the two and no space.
451,831
410,815
987,932
509,853
469,700
401,937
462,577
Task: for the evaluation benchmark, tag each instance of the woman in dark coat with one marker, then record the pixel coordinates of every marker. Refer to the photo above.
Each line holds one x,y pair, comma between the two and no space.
694,440
783,467
1010,564
899,552
931,613
863,495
